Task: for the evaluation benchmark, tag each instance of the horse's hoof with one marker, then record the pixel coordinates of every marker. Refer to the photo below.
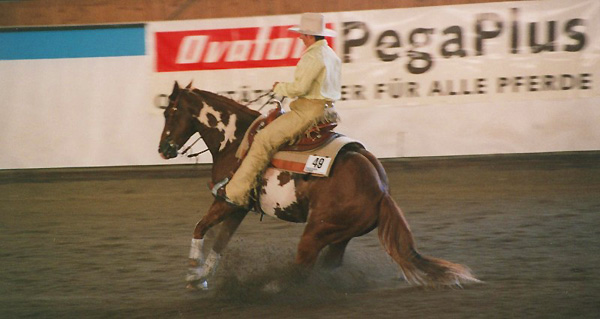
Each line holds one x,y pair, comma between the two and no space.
195,286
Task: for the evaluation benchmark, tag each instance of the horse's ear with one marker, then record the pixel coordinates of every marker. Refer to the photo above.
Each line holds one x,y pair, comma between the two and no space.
189,86
175,92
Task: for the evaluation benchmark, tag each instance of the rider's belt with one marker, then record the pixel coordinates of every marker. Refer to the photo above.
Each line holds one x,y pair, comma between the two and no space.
326,103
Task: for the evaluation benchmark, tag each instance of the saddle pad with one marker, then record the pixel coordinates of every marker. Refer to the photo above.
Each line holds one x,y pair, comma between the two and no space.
296,162
245,144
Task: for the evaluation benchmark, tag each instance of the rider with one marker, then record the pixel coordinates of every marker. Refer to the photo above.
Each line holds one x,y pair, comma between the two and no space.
316,85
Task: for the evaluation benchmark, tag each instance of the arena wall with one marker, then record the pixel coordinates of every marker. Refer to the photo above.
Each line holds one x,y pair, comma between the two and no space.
79,94
68,12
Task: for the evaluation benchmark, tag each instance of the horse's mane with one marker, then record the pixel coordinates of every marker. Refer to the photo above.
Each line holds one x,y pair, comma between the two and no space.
232,105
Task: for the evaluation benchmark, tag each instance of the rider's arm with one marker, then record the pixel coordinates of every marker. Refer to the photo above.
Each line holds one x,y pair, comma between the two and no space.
307,71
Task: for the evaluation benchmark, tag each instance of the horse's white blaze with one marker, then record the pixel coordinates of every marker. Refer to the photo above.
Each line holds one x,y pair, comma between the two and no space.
277,197
227,130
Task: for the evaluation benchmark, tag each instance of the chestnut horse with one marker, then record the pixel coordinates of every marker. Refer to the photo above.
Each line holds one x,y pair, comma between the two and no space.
352,201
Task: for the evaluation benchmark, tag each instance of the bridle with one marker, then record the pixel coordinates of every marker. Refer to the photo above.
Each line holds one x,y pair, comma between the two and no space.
190,147
172,144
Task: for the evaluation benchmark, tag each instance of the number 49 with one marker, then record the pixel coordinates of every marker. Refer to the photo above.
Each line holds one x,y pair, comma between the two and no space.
318,162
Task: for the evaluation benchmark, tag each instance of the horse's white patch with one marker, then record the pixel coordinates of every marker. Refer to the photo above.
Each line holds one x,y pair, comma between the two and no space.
277,197
228,131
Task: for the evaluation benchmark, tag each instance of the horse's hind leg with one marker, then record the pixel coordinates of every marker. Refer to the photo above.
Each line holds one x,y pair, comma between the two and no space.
309,248
335,254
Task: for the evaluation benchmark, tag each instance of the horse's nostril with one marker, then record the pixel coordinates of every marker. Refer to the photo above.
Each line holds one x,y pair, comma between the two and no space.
168,148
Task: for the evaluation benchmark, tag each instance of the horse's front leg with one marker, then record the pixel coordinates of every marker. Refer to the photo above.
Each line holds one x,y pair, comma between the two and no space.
202,267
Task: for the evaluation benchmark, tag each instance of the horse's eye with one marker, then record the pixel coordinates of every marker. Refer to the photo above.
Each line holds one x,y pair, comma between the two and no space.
170,112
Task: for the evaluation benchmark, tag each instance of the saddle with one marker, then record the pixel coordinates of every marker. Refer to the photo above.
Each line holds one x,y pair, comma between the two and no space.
313,138
319,143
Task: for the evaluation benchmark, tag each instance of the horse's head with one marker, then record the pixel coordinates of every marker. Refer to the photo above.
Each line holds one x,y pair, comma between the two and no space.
220,121
179,124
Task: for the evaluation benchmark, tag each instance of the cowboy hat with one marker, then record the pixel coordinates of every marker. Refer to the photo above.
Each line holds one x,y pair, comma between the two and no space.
313,24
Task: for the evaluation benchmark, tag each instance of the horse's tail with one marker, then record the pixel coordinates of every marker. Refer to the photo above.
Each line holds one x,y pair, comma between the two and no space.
396,237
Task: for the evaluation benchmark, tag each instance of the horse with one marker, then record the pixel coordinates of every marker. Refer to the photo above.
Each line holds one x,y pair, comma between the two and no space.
352,201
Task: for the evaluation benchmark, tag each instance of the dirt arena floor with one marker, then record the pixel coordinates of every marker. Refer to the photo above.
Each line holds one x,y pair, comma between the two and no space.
113,243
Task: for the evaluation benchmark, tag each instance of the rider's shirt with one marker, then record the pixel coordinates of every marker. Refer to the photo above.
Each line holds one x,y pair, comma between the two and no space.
317,75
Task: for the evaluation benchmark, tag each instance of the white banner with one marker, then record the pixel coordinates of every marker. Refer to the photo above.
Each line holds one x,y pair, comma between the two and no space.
507,77
506,51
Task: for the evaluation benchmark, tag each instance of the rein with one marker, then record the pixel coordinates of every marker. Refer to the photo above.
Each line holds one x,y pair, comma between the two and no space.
189,147
271,95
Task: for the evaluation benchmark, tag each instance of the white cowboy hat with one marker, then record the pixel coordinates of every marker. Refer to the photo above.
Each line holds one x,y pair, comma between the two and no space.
313,24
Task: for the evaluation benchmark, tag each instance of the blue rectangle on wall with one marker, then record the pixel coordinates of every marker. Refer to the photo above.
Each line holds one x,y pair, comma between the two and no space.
72,42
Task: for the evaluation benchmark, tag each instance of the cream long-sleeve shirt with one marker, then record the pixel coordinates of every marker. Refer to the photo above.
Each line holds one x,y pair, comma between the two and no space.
317,75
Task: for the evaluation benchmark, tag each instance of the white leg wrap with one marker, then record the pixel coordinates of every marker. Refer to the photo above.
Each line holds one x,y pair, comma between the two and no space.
196,249
212,261
202,273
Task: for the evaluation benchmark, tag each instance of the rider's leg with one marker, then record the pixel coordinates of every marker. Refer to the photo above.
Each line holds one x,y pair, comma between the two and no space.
267,141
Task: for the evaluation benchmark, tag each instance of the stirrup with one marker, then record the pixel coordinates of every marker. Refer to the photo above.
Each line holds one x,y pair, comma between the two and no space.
218,191
218,185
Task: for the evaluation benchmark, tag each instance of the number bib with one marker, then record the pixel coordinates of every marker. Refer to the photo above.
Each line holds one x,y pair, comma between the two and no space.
317,164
